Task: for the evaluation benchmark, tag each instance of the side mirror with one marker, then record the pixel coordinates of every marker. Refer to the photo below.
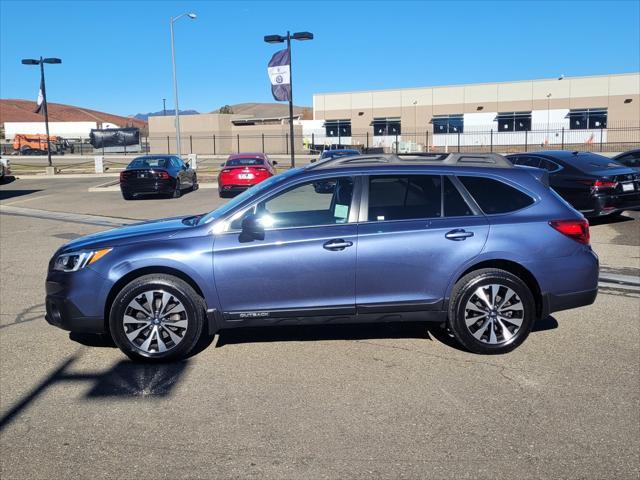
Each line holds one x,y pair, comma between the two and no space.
274,163
251,229
222,164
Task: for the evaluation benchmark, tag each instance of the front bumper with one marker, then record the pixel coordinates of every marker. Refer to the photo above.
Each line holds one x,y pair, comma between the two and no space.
75,301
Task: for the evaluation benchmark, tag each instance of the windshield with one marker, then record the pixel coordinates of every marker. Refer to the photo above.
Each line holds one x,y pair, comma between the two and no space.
247,194
240,162
338,153
149,162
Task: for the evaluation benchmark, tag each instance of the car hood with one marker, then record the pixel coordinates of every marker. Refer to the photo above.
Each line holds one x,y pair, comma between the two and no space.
156,229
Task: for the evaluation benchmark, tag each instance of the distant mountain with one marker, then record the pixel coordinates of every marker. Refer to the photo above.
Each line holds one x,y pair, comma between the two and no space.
267,110
145,116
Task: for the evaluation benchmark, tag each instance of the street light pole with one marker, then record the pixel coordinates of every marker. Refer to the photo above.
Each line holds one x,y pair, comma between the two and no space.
288,38
548,110
293,156
41,62
164,107
192,16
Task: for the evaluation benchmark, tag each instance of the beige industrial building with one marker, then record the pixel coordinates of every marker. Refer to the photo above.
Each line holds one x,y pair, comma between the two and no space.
567,112
579,105
216,133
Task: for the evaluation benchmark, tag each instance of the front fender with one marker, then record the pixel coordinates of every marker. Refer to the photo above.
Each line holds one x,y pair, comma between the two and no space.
192,257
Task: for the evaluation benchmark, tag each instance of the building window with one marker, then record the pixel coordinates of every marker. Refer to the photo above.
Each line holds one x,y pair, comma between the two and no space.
338,128
514,121
583,118
385,126
448,123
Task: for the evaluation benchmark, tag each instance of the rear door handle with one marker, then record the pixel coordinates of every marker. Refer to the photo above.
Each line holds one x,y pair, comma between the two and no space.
337,244
458,234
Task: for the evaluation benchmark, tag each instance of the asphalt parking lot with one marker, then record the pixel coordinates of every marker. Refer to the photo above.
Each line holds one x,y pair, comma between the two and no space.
366,401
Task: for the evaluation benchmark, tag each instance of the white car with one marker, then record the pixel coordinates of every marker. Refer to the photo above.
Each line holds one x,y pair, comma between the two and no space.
5,167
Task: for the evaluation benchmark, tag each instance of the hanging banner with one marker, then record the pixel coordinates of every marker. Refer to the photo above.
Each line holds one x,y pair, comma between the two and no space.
280,75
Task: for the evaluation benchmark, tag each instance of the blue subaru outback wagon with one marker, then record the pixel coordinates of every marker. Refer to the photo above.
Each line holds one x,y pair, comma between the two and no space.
465,239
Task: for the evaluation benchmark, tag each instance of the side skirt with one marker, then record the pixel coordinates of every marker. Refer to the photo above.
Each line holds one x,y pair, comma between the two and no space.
378,313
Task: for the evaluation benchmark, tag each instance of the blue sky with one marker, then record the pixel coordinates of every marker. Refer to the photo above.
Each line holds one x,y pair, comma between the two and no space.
116,55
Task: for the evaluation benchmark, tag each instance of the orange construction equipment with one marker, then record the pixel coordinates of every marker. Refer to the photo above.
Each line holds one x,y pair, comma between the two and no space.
26,143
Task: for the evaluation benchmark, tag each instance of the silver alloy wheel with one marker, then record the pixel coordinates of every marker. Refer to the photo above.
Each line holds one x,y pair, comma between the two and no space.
493,314
155,321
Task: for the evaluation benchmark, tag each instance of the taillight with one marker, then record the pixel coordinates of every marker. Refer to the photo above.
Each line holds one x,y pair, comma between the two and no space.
162,175
258,169
604,184
124,175
577,230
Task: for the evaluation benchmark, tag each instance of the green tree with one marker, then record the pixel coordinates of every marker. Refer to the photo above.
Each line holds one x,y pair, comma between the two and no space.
226,109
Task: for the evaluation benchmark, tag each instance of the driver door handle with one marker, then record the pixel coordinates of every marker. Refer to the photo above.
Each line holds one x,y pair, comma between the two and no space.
458,234
337,244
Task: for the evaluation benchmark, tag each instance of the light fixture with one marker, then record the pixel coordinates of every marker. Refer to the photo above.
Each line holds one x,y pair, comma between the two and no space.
628,100
479,107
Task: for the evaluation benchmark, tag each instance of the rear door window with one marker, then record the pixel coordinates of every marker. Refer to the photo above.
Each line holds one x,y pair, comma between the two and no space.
404,197
493,196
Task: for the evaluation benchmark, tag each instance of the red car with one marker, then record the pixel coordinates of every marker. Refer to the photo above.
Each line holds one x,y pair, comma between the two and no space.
244,170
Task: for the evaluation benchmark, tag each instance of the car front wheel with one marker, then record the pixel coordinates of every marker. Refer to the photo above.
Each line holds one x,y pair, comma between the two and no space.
157,317
491,311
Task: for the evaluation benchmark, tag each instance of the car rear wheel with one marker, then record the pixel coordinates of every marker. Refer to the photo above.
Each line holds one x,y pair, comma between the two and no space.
157,318
127,196
491,311
177,193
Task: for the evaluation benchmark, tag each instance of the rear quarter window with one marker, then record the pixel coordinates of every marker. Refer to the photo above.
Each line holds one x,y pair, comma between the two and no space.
494,196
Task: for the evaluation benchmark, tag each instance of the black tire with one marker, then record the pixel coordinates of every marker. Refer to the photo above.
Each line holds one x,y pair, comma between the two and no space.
194,309
177,193
196,185
223,194
127,196
463,292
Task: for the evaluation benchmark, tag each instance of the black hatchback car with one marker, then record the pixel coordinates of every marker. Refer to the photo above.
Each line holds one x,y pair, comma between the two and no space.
157,174
593,184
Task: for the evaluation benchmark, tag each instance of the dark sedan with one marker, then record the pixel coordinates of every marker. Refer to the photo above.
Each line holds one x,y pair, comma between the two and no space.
157,174
593,184
630,158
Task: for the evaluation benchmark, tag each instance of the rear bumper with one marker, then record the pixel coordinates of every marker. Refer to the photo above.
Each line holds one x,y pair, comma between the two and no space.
233,188
607,204
566,301
167,186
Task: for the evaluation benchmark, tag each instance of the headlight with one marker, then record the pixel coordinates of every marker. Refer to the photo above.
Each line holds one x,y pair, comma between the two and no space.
74,261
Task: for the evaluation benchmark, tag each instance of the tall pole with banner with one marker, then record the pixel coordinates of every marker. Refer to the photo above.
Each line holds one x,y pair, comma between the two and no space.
41,104
279,70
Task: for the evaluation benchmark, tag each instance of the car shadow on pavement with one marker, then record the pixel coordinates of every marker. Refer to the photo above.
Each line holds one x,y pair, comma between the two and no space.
7,194
611,219
363,331
124,380
310,333
7,179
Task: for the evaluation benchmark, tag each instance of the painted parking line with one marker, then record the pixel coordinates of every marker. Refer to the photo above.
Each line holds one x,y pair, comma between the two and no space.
68,217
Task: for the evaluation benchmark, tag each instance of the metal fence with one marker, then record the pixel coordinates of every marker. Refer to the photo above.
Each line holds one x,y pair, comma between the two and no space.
611,139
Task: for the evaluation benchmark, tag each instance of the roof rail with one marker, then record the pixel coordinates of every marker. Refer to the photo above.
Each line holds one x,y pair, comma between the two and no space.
461,159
